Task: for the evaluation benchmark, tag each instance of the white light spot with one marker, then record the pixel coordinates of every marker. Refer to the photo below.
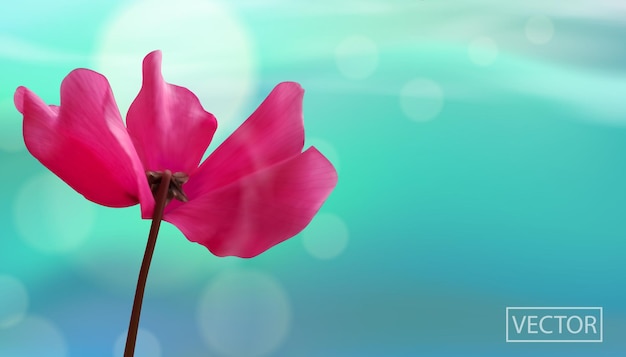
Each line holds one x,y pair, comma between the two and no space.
539,29
147,345
244,314
483,51
326,237
33,336
11,138
51,216
205,48
421,99
13,301
357,57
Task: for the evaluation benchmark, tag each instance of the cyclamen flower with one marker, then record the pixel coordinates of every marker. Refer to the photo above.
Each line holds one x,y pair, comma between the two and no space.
254,191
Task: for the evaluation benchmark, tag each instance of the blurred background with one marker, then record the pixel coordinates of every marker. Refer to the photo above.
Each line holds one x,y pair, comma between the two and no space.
480,150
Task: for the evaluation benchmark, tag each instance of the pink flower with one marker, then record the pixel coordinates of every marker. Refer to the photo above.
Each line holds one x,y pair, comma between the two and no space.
256,190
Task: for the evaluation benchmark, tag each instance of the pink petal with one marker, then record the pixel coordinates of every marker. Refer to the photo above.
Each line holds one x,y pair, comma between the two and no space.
84,141
167,123
273,133
258,211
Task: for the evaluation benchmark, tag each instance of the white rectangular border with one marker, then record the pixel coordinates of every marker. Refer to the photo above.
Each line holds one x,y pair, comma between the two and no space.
555,308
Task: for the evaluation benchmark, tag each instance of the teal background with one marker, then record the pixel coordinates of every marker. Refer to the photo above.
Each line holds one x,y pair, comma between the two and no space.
479,147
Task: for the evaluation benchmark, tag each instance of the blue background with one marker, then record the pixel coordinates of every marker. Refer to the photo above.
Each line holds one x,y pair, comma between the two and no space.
480,151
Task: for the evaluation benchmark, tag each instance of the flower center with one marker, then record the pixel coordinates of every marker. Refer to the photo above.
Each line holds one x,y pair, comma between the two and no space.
176,184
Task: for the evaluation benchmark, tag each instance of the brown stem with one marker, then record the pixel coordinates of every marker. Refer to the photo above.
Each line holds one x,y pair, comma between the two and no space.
160,201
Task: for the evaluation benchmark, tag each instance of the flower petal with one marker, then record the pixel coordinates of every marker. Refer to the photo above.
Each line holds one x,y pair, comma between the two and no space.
84,141
167,123
273,133
250,215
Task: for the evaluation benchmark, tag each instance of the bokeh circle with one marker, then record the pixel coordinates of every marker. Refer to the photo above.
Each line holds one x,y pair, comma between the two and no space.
421,99
50,216
244,313
147,344
13,301
482,51
205,46
356,57
326,237
539,29
33,336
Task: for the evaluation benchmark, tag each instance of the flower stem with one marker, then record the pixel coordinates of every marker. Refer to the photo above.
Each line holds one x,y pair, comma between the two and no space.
160,201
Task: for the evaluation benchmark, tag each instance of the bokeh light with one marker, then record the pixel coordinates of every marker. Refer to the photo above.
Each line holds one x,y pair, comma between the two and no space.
50,216
147,344
244,313
112,256
421,99
205,48
326,236
357,57
33,336
482,51
13,301
539,29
